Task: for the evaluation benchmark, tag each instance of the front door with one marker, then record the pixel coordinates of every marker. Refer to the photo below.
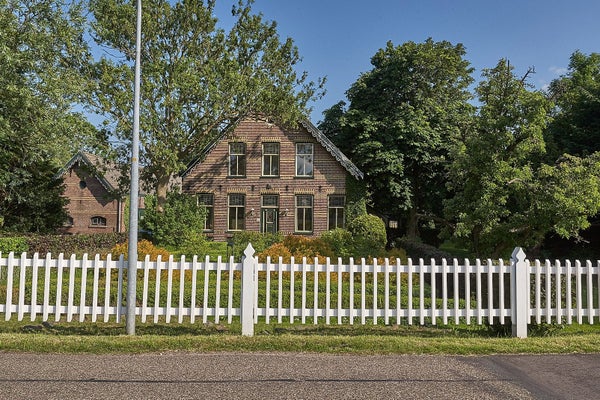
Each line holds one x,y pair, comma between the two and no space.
269,220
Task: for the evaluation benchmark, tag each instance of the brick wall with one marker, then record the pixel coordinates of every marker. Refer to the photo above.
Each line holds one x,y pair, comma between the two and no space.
87,199
211,176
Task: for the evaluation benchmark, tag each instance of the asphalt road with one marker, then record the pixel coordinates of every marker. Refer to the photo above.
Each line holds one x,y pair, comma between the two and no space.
297,376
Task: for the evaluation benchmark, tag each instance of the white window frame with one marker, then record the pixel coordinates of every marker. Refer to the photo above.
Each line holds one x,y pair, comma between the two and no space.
240,211
233,168
303,159
302,209
337,209
272,158
209,220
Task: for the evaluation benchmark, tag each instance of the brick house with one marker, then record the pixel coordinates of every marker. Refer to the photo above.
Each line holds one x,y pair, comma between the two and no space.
266,178
91,185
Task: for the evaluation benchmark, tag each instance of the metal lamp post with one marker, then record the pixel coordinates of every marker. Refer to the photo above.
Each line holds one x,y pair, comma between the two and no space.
134,187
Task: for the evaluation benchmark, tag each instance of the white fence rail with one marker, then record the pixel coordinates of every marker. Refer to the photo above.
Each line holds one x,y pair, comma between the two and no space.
384,291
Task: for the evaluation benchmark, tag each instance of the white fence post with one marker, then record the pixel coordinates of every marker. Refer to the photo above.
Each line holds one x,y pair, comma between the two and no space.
519,296
248,288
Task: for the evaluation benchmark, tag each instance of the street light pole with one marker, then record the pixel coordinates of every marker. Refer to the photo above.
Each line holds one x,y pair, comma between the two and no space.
134,186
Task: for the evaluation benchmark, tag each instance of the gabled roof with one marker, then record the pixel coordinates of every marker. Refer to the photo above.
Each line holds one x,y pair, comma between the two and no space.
314,131
104,171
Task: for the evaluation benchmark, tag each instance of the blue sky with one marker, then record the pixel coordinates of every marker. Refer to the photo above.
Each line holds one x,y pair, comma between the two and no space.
337,38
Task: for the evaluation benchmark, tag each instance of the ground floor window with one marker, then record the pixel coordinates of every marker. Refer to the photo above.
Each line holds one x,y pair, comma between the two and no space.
206,200
304,213
336,212
237,216
98,221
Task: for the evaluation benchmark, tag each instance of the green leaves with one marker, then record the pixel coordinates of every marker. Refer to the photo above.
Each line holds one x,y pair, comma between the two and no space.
403,116
198,80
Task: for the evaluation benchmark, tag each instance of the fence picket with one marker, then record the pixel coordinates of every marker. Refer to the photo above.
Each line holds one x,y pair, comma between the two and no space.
351,289
34,285
590,292
578,292
22,275
568,295
444,292
182,265
456,292
46,305
410,292
327,291
339,303
375,292
490,290
59,279
217,291
292,277
120,268
467,292
548,292
558,281
316,292
432,263
268,291
146,278
9,286
303,294
205,293
84,268
363,284
478,290
71,291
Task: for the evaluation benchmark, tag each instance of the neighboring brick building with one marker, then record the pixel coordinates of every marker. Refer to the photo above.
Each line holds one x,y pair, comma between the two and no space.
91,187
268,179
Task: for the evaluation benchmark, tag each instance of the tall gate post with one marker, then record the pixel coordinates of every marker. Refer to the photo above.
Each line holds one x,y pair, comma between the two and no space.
248,286
519,293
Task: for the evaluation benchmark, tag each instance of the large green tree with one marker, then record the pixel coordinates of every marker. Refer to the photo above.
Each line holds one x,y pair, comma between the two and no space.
198,80
42,57
575,128
504,195
402,118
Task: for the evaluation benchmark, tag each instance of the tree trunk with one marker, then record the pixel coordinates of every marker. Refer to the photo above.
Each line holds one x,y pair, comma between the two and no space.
412,223
162,186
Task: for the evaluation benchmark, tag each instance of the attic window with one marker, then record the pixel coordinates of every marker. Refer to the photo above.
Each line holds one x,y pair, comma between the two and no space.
82,184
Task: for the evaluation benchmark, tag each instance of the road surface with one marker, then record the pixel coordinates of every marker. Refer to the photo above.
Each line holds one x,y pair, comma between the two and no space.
297,376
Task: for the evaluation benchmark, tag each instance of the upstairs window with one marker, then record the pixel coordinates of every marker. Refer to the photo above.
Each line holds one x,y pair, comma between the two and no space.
206,200
270,159
98,221
304,159
237,159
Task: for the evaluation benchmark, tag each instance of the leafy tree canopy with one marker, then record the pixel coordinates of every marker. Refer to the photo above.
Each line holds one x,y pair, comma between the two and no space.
504,195
198,80
403,116
575,128
42,56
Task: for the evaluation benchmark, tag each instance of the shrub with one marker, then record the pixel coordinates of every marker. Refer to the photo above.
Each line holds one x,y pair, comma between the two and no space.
340,242
194,244
144,248
302,246
416,249
16,244
98,243
368,235
180,221
275,251
260,241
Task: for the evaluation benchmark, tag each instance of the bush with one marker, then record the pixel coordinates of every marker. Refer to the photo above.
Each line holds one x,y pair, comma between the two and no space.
180,221
368,235
260,241
416,249
275,251
16,244
340,241
144,248
97,243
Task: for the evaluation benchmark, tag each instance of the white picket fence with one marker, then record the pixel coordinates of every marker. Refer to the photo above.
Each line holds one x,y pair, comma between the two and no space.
384,291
